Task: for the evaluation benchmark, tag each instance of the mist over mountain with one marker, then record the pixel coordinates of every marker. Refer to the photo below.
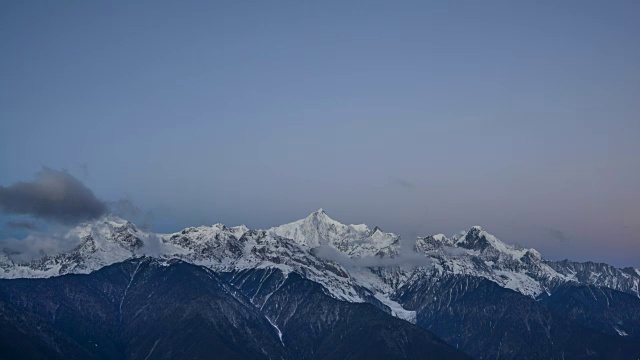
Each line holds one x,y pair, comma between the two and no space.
312,283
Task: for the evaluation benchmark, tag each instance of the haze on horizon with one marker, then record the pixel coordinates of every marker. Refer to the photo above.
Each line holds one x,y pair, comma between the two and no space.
421,117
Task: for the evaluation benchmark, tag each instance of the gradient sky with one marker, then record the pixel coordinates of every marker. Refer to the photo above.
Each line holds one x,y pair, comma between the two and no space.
420,117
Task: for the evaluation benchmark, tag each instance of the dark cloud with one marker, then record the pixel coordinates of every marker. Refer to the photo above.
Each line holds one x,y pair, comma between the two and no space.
22,225
558,235
54,195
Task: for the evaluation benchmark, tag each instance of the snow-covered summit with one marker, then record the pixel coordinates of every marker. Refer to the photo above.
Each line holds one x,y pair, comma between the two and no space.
318,229
353,259
99,243
478,253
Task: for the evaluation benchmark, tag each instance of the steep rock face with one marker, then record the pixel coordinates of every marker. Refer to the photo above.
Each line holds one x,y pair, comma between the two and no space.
215,243
166,309
110,240
182,311
290,247
603,309
148,309
260,284
316,325
599,274
25,336
478,253
487,321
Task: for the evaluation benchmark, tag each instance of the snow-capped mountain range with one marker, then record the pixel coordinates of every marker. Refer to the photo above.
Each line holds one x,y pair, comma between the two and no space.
352,262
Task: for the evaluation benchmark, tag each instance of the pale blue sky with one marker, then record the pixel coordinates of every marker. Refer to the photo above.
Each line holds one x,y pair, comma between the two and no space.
421,117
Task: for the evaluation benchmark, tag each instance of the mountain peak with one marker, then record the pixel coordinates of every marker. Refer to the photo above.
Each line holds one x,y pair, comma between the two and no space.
478,239
314,230
110,239
319,214
319,218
